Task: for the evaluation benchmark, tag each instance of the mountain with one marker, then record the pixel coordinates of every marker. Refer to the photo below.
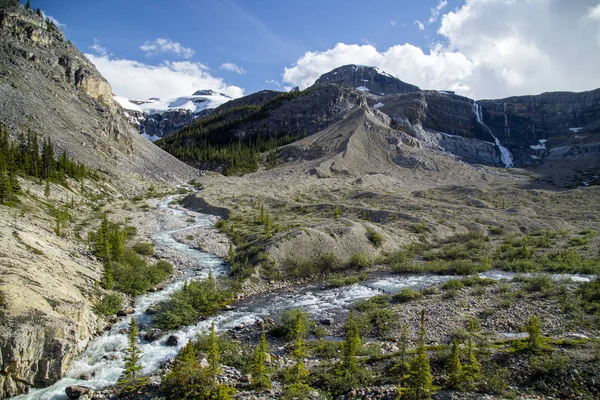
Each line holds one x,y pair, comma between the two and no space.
364,78
547,132
49,86
157,118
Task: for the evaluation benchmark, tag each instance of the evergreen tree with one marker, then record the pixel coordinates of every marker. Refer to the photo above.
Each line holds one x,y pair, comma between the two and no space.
28,5
401,367
214,353
5,187
535,343
454,368
117,244
260,376
47,189
108,278
133,368
102,241
297,388
349,365
471,372
420,380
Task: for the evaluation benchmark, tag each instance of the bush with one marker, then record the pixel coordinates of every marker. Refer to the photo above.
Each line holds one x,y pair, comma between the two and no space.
359,261
549,366
109,305
322,264
185,306
538,283
453,284
143,248
133,275
375,237
340,280
406,295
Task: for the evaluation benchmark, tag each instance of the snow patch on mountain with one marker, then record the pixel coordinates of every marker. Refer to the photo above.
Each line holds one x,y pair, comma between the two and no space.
199,101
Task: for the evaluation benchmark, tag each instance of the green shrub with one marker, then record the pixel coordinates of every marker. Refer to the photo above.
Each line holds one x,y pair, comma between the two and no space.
375,237
550,366
134,276
341,280
322,264
143,248
359,261
406,295
186,305
453,284
538,283
109,305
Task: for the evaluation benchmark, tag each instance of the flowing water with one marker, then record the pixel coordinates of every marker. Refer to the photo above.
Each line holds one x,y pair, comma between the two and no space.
505,154
103,357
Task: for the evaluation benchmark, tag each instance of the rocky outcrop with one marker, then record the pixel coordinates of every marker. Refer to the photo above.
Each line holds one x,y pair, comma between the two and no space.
164,124
366,79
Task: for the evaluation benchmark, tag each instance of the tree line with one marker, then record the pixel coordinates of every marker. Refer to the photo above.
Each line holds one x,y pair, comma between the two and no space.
26,156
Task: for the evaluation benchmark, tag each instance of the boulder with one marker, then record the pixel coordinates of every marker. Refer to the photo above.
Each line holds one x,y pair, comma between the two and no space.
152,335
75,391
125,312
172,341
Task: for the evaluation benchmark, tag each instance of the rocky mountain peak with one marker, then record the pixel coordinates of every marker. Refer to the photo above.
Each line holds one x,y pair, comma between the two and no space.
366,78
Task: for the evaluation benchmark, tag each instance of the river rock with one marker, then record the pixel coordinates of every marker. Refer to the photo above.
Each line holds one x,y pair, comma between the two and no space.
150,311
172,341
152,335
85,377
325,321
75,391
125,312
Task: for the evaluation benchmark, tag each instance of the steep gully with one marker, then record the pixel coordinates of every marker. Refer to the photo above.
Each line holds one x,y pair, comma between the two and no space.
102,359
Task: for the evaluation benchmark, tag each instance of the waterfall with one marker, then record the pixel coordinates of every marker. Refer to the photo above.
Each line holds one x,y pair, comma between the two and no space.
505,154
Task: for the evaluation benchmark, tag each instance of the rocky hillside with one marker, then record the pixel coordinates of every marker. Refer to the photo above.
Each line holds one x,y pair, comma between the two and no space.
49,86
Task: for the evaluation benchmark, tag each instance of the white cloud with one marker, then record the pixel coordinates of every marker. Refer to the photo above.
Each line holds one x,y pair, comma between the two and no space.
595,12
493,48
136,80
100,50
436,11
231,67
393,23
162,45
420,25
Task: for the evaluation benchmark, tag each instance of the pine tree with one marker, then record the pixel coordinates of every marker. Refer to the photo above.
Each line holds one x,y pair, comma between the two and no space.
28,5
133,367
260,376
337,212
298,389
117,244
214,353
471,372
47,189
5,187
401,367
108,278
535,343
454,368
420,380
349,365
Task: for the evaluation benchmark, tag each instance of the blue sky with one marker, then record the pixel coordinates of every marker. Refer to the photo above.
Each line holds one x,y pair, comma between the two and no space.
243,46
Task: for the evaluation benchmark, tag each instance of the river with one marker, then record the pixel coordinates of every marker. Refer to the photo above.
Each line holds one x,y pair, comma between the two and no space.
102,359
